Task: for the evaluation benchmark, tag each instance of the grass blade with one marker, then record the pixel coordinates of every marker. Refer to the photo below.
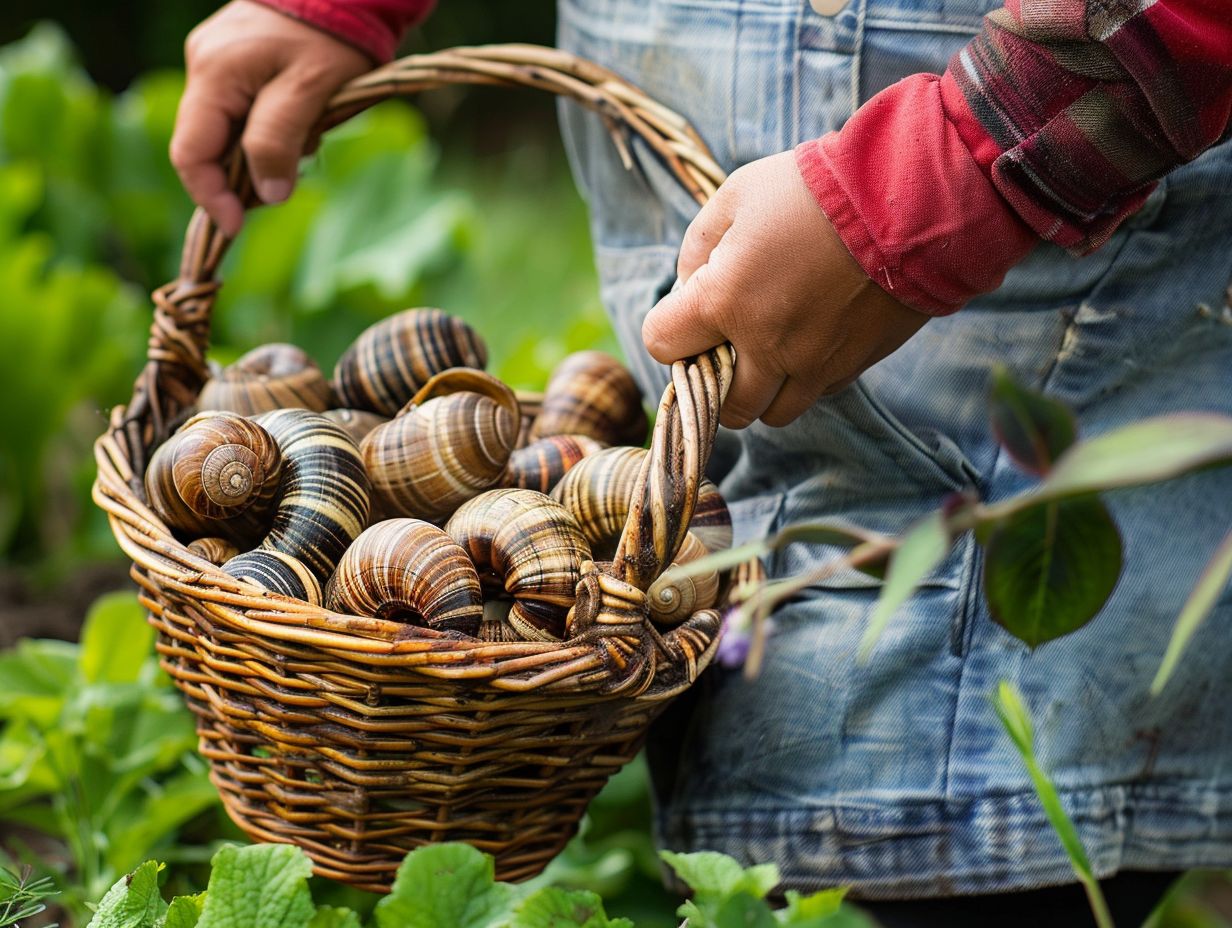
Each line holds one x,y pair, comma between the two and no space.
1199,605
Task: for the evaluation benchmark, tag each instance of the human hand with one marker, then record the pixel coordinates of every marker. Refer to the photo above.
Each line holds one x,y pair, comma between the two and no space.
762,267
251,66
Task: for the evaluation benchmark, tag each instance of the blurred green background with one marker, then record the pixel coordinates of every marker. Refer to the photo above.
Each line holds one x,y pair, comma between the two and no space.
462,201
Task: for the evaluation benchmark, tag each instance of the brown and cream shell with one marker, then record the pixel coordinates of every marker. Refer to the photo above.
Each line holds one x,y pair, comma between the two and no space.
541,464
270,377
591,393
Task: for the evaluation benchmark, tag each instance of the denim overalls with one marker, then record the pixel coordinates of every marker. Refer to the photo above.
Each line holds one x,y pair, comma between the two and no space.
895,778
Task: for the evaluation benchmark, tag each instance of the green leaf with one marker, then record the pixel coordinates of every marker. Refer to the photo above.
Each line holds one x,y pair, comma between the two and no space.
445,884
115,640
1035,429
1017,722
328,916
1049,569
1197,607
184,912
559,908
713,875
920,552
133,902
258,886
744,911
815,905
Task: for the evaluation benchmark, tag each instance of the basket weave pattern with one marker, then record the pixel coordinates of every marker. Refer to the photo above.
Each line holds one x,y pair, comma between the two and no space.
359,739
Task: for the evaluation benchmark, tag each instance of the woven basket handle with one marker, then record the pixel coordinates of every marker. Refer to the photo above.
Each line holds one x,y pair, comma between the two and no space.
688,414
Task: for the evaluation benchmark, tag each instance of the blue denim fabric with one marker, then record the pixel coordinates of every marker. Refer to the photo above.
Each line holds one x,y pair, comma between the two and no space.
895,778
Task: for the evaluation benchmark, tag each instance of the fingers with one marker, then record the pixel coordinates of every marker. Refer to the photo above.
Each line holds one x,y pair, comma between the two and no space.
793,400
703,233
276,133
753,389
686,321
203,128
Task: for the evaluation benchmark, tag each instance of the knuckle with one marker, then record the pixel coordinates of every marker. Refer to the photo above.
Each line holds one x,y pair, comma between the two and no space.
266,149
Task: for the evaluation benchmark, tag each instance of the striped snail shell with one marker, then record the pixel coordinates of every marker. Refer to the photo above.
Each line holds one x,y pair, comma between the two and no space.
218,475
278,573
214,550
355,422
408,570
673,598
591,393
450,443
532,547
711,521
541,464
325,493
270,377
390,361
529,403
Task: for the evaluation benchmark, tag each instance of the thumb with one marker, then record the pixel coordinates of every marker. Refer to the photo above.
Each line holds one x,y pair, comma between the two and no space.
686,321
277,130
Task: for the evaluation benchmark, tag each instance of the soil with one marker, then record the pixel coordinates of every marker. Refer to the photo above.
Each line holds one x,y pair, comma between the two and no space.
28,610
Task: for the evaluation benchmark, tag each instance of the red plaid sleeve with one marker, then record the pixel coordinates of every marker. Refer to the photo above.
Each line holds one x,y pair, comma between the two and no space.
372,26
1070,109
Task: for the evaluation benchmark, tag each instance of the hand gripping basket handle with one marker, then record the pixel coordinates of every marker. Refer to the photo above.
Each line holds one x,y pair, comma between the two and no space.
688,412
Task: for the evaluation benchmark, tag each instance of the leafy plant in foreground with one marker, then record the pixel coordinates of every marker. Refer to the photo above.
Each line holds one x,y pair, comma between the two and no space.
22,895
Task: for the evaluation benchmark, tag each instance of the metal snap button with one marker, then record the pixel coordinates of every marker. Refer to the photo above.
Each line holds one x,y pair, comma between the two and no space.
828,7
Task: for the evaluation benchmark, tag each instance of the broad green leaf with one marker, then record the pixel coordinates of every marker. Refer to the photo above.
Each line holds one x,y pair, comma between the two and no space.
744,911
184,912
559,908
258,886
1017,722
1035,429
445,884
920,552
133,902
115,640
713,875
1049,569
1197,607
815,905
328,916
36,678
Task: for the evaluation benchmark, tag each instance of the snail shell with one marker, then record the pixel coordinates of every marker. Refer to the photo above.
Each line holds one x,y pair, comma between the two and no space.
532,547
390,361
355,422
529,403
270,377
278,573
325,492
407,570
451,442
218,475
711,521
672,599
591,393
541,464
214,550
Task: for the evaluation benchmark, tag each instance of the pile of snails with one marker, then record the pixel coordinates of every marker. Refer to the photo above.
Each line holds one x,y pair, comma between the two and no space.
415,487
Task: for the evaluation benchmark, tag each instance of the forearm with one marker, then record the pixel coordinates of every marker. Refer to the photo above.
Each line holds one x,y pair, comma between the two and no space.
373,26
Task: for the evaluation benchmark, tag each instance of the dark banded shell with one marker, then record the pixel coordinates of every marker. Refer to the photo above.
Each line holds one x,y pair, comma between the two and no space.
218,475
598,491
443,449
390,361
591,393
529,403
270,377
534,550
711,521
277,572
541,464
673,598
355,422
325,491
407,570
214,550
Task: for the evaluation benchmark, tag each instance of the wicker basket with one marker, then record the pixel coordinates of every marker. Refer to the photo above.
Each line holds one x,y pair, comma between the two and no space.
360,739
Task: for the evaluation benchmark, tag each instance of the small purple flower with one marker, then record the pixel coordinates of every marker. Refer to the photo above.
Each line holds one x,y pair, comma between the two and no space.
733,647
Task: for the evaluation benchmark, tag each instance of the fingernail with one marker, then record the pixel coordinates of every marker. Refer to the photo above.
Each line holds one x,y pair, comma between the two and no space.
274,190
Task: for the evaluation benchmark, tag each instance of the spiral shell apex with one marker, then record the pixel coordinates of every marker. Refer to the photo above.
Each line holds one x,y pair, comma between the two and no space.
270,377
532,548
673,598
218,475
591,393
391,360
408,570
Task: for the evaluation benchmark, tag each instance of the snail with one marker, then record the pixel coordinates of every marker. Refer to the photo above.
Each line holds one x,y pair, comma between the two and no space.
450,443
598,491
673,598
325,494
218,475
390,361
355,422
529,403
408,570
214,550
541,464
591,393
532,548
271,377
278,573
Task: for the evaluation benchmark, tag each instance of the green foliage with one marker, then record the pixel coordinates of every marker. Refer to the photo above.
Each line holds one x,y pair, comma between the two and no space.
1033,428
22,896
97,750
1201,601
